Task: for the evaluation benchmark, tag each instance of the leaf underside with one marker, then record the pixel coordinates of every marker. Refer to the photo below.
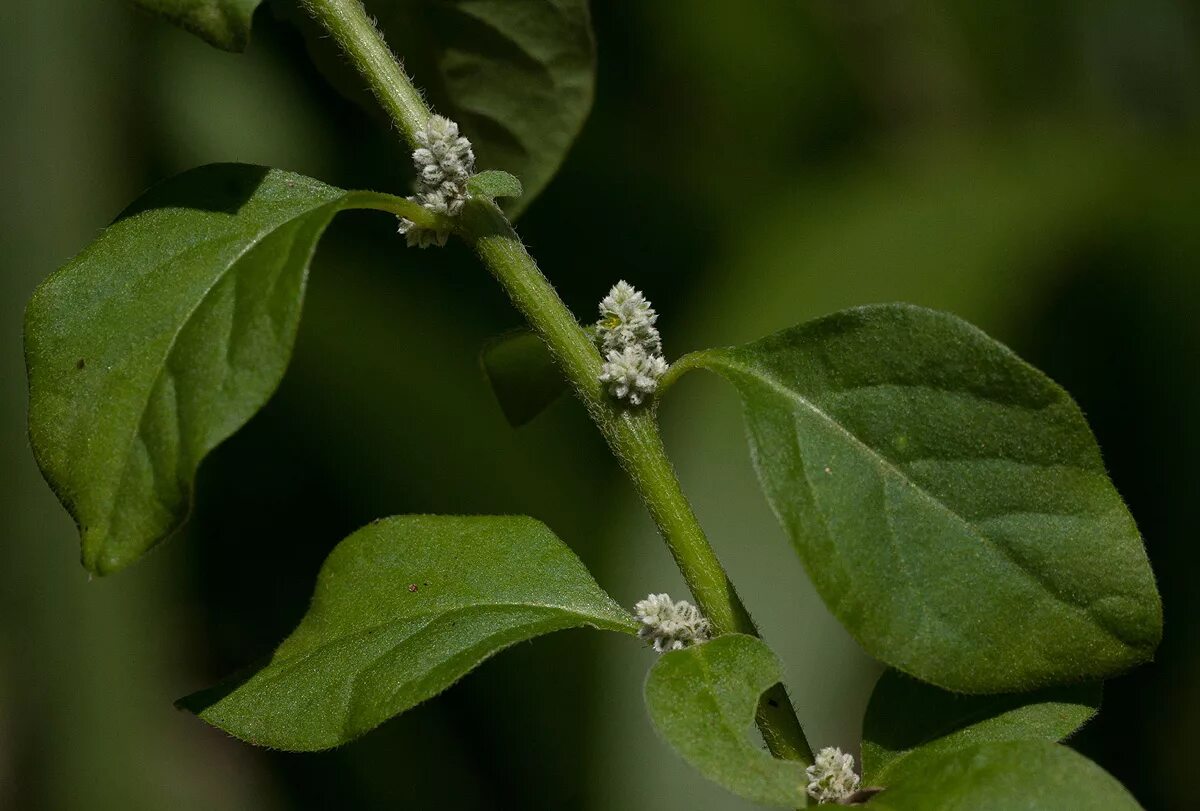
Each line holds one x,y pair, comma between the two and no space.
224,24
403,608
517,75
947,499
522,374
702,701
906,717
162,338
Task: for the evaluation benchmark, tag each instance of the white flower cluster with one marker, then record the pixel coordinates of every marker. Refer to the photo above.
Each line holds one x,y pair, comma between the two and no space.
444,163
631,343
668,625
832,777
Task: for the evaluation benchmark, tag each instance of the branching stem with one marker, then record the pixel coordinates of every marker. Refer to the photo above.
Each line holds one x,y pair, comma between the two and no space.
632,434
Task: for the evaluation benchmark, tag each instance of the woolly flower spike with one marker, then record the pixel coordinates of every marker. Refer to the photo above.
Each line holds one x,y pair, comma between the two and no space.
632,345
632,373
832,777
626,318
444,162
668,625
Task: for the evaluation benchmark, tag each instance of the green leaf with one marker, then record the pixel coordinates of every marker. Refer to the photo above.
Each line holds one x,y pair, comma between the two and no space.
493,183
404,608
221,23
516,76
907,717
522,375
1027,775
163,337
703,699
947,499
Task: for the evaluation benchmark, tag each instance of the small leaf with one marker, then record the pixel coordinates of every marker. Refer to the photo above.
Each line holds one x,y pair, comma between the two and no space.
221,23
493,183
522,375
947,499
1029,775
703,699
517,76
163,337
906,717
404,608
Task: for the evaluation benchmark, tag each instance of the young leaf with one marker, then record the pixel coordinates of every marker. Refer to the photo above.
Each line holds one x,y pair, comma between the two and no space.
163,337
906,717
947,499
1029,775
516,76
493,183
404,608
522,375
222,23
702,700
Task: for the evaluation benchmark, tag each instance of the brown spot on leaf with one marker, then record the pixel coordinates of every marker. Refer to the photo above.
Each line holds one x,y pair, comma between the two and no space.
412,587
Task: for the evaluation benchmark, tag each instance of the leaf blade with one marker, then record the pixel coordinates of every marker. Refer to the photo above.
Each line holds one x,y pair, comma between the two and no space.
1034,775
906,717
493,183
947,499
162,338
702,700
402,609
224,24
518,77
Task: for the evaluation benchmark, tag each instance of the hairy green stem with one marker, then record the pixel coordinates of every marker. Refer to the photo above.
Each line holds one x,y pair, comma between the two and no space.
360,39
631,433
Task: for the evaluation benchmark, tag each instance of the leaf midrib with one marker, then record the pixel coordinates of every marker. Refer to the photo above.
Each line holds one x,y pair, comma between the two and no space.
428,617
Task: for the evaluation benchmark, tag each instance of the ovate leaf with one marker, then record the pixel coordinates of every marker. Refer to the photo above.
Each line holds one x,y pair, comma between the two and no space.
522,375
1026,775
223,23
492,183
404,608
906,717
947,499
163,337
703,699
517,75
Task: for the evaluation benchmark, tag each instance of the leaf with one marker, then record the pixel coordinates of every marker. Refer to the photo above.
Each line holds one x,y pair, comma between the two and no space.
224,24
703,699
947,499
522,375
906,717
517,75
404,608
163,337
493,183
1029,775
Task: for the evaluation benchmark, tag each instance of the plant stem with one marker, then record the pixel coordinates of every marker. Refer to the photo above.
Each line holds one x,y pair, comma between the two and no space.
635,441
354,31
631,433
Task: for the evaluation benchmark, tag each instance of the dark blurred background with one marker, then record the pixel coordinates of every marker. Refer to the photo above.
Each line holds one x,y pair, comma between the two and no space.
1031,165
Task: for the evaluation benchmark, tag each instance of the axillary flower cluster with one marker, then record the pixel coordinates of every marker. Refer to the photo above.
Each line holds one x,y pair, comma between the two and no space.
444,163
831,778
669,625
631,344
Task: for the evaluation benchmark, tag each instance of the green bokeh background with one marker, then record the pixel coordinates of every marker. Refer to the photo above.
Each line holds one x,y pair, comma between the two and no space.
1031,165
